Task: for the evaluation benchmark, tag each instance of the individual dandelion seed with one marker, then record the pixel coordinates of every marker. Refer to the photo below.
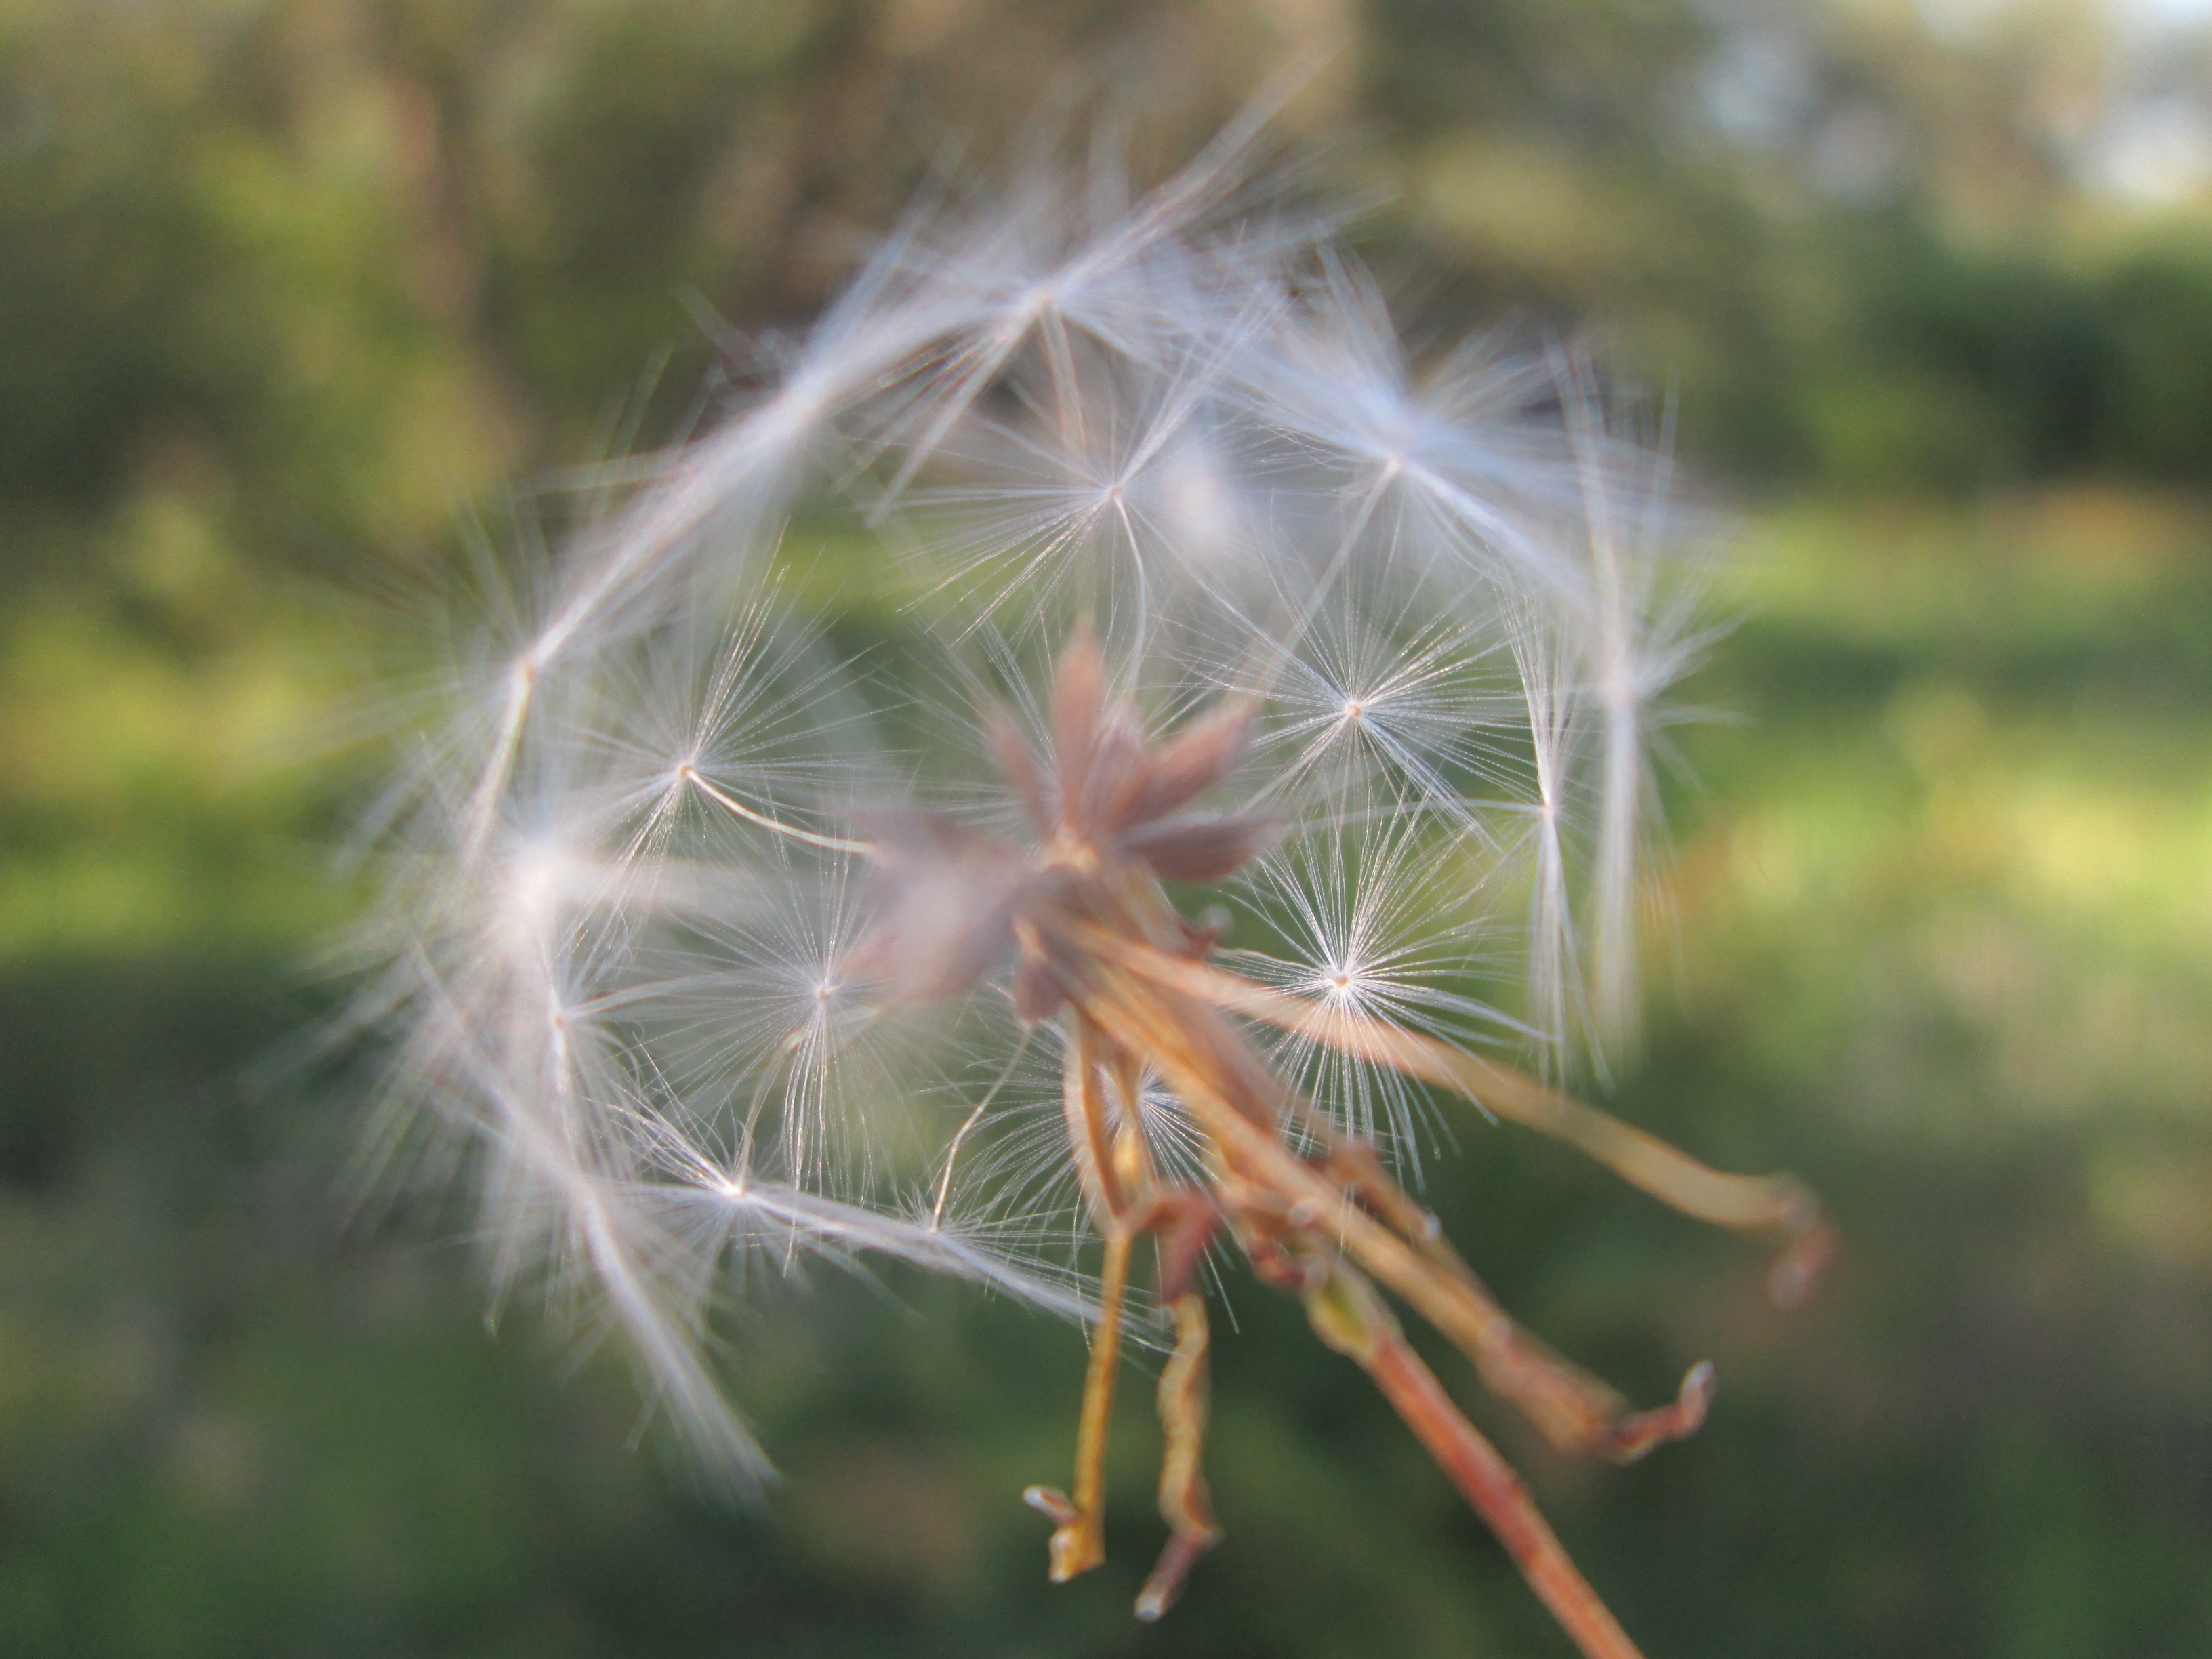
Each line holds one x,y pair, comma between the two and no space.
720,944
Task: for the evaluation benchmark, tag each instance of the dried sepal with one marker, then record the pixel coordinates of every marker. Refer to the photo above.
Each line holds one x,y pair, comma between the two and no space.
712,955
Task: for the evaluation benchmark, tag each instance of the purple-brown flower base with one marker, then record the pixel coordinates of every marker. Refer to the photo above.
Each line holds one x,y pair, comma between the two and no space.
1097,947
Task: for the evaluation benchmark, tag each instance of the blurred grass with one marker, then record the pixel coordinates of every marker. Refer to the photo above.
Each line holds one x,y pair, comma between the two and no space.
1940,941
288,279
144,805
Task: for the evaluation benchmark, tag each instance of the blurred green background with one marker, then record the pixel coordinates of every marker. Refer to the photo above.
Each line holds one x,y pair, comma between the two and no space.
290,289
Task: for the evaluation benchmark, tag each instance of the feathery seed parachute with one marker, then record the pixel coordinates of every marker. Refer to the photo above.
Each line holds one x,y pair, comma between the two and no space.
720,940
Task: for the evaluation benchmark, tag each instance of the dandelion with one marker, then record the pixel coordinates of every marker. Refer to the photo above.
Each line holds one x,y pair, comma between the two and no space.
719,943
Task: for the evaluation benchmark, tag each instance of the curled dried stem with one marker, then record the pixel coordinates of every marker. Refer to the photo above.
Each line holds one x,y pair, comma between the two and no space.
1778,1204
1099,948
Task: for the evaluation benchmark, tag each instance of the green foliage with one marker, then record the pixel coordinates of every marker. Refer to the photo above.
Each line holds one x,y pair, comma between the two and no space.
1939,946
287,285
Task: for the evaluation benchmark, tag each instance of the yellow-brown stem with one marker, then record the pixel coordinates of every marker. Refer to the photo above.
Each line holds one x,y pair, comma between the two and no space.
1512,1361
1078,1539
1351,1318
1574,1410
1751,1203
1185,1505
1084,1103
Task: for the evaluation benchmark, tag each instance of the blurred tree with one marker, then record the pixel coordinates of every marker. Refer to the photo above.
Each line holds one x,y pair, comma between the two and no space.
288,282
331,266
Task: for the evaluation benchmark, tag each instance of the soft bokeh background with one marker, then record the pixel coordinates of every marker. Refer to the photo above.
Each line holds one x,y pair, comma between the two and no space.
291,289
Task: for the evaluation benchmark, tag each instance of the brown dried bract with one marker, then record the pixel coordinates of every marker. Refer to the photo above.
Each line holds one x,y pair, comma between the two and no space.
1096,944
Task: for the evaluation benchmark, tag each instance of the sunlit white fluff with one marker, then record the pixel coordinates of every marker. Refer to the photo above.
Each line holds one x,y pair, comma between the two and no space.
625,893
1385,916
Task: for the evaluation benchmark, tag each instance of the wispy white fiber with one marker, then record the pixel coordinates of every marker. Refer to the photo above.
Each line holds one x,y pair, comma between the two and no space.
629,859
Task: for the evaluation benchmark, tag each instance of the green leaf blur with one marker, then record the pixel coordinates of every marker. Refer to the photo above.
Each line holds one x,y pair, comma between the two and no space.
292,292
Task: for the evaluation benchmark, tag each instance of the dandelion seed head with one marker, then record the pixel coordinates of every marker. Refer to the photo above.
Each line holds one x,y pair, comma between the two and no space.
705,927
